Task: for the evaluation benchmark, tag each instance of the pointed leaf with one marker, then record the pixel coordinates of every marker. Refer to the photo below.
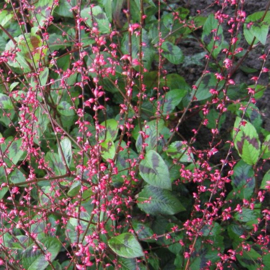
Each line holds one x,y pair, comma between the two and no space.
67,150
154,171
126,245
15,153
32,260
5,102
110,130
107,149
179,150
247,141
74,189
266,148
266,181
96,15
156,201
171,100
257,26
243,180
172,53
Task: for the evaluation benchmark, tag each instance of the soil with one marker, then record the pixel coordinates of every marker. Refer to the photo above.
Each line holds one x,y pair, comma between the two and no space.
207,7
192,73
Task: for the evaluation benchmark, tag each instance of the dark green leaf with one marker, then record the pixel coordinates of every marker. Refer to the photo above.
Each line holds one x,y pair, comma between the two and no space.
243,180
154,171
179,150
33,260
96,14
126,245
172,53
156,201
247,141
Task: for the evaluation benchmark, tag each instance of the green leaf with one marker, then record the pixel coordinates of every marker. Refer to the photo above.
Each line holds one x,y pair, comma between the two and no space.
107,4
143,231
154,171
5,102
243,180
257,28
247,141
171,100
3,192
266,261
43,76
17,177
213,35
64,108
110,130
107,149
72,230
250,259
31,49
128,264
172,53
95,14
179,150
154,139
247,215
204,84
74,189
32,260
253,115
156,201
5,17
55,163
266,178
66,147
126,245
212,117
15,153
63,9
41,125
43,10
194,59
266,147
13,85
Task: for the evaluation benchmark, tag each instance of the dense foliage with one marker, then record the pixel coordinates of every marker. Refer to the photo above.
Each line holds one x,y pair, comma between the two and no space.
112,157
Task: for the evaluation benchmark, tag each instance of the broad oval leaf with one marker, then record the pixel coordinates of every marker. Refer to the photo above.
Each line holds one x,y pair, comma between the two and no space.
171,100
243,180
179,150
156,201
259,28
154,171
107,149
5,102
172,53
247,141
126,245
95,14
156,134
110,131
15,153
32,260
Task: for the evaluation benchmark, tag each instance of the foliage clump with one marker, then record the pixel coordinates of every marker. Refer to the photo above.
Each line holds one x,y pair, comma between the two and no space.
112,157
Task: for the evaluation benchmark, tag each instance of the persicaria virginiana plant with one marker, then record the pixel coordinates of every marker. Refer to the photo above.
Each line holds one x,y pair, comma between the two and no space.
132,136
